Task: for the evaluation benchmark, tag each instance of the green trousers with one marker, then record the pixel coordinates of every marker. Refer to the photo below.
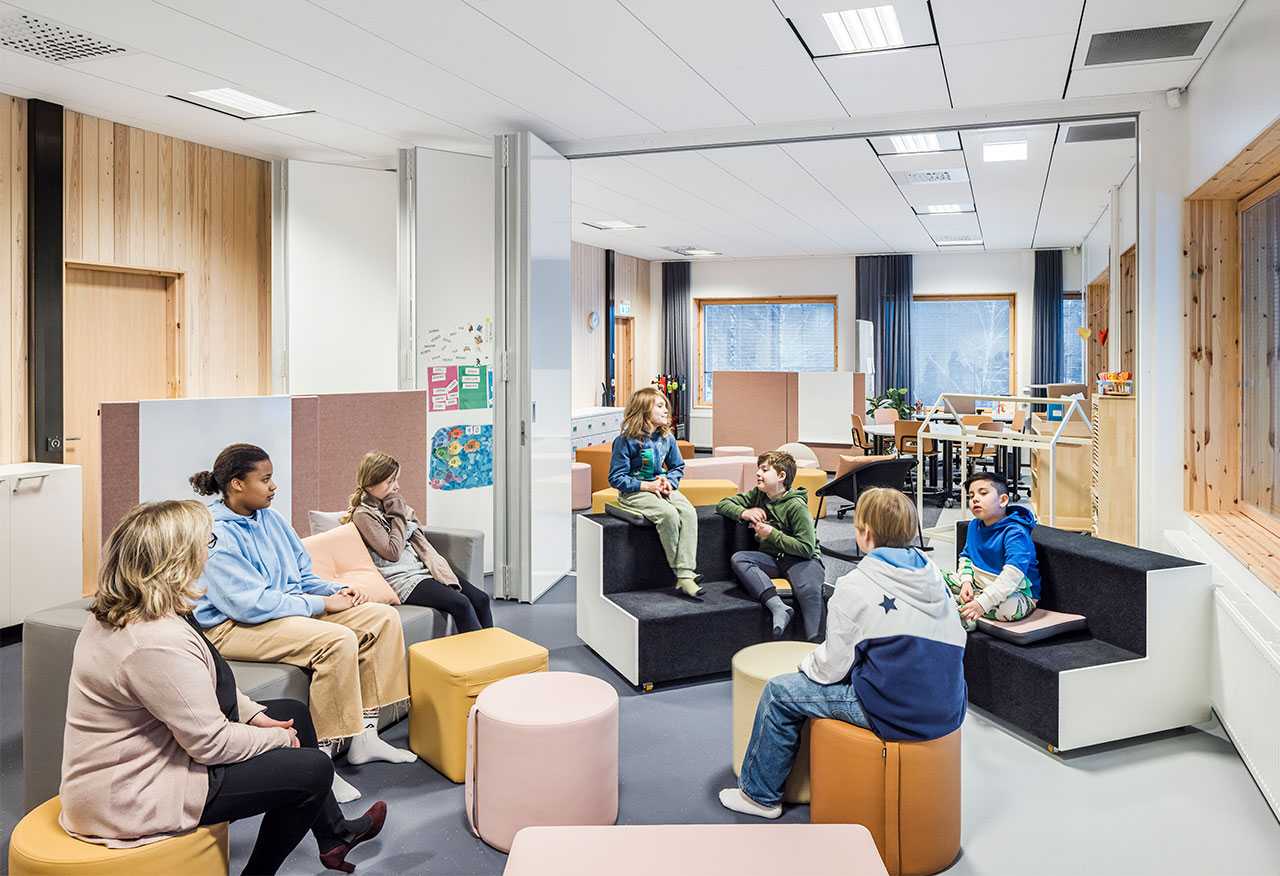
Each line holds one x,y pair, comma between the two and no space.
677,523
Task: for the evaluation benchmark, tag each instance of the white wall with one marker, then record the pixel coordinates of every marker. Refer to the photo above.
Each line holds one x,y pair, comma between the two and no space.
976,273
763,278
340,275
1232,98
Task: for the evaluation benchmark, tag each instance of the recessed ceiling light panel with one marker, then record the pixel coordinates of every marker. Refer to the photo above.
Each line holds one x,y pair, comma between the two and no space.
959,241
947,208
692,251
237,103
611,225
1010,150
865,30
916,142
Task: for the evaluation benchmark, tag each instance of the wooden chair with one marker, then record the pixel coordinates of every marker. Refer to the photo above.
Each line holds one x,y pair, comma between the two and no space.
859,430
906,440
981,454
886,415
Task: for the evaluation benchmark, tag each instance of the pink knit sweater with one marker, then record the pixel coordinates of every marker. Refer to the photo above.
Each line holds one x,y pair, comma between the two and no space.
143,725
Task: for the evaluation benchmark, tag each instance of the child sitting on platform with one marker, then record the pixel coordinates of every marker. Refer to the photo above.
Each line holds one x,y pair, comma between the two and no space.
780,520
646,469
893,659
996,575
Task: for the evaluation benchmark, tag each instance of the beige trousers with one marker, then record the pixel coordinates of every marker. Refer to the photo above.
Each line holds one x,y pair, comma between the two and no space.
356,658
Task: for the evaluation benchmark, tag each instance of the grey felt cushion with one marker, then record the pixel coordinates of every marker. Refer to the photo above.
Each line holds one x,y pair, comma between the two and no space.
323,521
1035,627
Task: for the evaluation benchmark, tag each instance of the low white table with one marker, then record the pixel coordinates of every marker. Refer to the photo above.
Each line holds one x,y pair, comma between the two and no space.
737,849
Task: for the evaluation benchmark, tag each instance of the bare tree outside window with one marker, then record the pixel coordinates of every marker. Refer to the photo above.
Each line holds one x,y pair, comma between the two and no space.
961,344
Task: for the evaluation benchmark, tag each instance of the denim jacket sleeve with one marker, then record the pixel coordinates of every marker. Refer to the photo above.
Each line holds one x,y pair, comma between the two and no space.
620,477
675,462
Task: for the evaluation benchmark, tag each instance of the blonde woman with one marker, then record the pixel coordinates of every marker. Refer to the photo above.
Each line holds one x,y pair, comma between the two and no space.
646,469
402,553
158,738
262,602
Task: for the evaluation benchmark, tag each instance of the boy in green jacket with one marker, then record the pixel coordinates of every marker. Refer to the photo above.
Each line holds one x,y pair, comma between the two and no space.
779,517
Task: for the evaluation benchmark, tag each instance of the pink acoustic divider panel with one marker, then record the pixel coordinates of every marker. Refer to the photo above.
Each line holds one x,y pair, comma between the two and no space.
119,443
352,424
306,463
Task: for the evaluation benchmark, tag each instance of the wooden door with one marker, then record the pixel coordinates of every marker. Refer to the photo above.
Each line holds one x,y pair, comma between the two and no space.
624,359
120,342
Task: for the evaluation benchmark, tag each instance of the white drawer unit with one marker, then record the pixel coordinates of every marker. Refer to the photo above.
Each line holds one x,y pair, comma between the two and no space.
40,538
594,426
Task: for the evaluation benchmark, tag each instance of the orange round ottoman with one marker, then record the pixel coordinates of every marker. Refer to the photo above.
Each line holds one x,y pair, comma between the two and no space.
542,750
906,793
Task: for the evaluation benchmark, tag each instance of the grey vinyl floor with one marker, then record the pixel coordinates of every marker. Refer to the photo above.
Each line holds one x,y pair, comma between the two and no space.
1175,803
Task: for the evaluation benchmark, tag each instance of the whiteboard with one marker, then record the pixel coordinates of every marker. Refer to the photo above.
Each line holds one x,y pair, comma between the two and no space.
825,403
179,437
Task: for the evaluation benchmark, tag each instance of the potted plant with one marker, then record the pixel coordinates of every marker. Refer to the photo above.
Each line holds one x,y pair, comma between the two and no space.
895,398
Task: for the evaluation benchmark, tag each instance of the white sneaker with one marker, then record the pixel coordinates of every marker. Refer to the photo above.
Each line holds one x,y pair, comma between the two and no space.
733,798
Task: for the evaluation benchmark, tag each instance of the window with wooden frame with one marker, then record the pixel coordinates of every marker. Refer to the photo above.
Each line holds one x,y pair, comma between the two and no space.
1260,343
1073,346
783,333
963,343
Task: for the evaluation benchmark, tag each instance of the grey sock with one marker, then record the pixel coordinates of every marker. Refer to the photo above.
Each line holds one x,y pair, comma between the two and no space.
781,614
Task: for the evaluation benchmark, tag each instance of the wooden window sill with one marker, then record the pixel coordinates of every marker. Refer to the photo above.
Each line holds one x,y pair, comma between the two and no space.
1250,537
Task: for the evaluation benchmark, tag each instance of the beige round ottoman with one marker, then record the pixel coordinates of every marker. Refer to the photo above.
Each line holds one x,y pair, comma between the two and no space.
542,750
752,669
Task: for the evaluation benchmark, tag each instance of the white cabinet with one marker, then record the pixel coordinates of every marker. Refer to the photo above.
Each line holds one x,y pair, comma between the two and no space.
40,538
594,426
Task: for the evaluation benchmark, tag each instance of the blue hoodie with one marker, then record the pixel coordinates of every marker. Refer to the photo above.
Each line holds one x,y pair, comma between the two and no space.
1007,542
635,460
258,571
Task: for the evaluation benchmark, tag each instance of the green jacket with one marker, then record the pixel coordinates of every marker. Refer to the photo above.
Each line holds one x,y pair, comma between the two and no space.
793,530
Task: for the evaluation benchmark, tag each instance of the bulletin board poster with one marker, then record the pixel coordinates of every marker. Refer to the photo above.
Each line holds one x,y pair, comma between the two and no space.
459,388
462,457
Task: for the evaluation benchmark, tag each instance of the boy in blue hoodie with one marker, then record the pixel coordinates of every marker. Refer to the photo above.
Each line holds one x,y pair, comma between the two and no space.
893,659
996,575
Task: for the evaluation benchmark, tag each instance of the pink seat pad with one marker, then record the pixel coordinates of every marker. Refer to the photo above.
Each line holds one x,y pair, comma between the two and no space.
1039,625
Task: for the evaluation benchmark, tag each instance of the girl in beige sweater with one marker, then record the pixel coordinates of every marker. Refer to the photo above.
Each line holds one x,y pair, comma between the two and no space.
158,738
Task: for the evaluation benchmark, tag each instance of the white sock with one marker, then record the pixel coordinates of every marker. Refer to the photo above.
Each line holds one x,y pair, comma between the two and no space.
343,791
733,798
368,746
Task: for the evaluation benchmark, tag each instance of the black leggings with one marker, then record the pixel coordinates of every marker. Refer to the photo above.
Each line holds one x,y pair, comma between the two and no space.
293,786
469,607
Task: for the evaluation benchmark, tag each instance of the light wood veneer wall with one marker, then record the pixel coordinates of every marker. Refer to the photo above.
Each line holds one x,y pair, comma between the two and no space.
13,287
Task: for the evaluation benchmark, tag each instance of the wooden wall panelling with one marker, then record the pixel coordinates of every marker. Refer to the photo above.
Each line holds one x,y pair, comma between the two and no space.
1099,318
587,272
140,199
1127,330
631,283
1256,163
13,262
1212,315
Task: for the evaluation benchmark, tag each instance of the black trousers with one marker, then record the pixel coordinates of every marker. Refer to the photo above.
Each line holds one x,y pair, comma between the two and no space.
293,786
469,607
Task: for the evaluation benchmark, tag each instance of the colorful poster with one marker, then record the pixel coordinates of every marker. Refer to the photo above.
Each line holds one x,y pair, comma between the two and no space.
470,343
473,385
442,388
462,458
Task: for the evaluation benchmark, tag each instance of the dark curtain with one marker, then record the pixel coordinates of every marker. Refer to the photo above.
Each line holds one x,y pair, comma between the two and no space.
1046,363
883,296
675,337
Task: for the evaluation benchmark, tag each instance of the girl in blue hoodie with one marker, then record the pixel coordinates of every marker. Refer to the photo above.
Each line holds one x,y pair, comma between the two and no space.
893,659
262,603
996,575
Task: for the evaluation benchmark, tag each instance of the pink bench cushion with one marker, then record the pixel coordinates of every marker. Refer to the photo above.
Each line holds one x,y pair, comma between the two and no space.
581,485
340,555
727,468
1039,625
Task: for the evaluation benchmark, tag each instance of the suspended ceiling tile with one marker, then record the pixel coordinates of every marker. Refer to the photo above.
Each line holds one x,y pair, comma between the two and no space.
1131,78
908,80
1078,188
984,21
919,197
1007,193
748,53
334,133
956,226
1011,71
1129,16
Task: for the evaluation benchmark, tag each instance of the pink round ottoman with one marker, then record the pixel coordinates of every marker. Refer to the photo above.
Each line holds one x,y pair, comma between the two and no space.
542,750
580,485
733,450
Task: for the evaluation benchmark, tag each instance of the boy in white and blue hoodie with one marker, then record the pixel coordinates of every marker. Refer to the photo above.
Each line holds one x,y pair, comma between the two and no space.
893,659
997,576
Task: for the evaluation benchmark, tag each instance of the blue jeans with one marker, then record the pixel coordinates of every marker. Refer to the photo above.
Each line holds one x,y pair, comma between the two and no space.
786,702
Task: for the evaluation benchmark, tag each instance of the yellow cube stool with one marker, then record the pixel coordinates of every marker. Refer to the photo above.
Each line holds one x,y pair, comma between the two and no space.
40,847
752,668
445,677
811,479
699,492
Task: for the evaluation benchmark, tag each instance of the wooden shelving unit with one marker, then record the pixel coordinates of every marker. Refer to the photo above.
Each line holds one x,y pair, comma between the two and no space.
1071,489
1114,485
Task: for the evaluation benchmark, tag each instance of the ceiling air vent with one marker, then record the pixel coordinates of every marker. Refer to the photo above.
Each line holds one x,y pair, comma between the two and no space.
917,177
50,41
1146,43
1097,133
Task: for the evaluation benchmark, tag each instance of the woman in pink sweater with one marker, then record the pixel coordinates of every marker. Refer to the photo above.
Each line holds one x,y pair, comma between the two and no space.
158,738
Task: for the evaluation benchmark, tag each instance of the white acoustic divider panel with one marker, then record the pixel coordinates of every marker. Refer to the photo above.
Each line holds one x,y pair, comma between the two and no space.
825,403
179,437
453,330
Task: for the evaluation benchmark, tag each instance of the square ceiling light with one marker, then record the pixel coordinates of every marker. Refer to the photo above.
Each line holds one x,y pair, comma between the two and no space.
692,251
611,225
942,209
1009,150
239,104
959,241
865,30
916,142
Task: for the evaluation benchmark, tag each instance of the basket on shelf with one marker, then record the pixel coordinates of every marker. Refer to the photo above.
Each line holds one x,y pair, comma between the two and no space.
1115,383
